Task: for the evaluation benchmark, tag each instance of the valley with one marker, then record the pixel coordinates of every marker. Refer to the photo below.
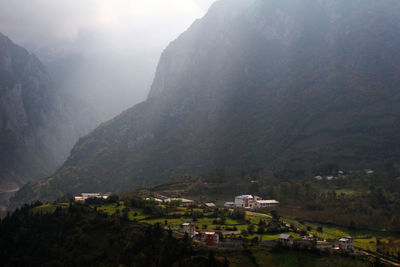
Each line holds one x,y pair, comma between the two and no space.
269,137
244,237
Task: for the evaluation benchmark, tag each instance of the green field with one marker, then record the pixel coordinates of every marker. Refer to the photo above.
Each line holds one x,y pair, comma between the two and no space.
259,256
49,208
365,239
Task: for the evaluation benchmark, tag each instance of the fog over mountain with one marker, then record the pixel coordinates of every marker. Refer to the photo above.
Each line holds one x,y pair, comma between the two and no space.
38,122
273,85
104,52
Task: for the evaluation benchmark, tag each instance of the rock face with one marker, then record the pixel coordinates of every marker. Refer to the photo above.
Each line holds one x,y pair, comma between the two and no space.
260,84
38,124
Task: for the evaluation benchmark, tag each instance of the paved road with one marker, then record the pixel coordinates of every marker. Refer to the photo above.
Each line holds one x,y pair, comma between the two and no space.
382,259
256,213
10,190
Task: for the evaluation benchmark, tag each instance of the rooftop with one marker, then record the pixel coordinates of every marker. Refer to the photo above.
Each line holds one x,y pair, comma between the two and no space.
209,233
244,196
285,236
271,201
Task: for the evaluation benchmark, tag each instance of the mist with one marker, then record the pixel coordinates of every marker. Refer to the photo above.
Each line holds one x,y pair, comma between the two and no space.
102,52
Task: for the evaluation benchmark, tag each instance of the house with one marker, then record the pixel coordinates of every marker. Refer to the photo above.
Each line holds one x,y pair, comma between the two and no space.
210,238
244,201
369,171
85,196
251,202
185,202
346,243
266,203
188,228
79,198
210,205
229,205
286,240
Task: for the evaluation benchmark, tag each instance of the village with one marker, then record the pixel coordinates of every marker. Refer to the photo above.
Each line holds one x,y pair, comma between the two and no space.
248,219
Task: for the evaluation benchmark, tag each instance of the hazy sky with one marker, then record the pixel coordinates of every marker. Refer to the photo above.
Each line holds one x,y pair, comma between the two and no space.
105,51
117,22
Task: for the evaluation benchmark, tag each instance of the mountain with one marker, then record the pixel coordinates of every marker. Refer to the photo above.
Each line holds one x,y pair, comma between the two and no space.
254,84
38,123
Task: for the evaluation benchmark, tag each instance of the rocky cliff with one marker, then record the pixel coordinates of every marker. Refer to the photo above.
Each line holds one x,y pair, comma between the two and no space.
255,84
38,123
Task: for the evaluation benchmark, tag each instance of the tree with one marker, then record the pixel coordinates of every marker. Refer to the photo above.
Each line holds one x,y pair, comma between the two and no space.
250,228
275,216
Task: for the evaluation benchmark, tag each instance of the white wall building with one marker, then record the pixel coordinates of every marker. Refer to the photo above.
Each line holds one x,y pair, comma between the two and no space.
85,196
189,228
185,202
346,243
244,201
266,203
254,202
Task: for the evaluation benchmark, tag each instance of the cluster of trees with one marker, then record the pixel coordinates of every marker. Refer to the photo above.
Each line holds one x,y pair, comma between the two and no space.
368,203
80,236
355,199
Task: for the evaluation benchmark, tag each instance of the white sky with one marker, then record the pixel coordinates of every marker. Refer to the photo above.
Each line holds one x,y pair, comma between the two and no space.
120,23
118,42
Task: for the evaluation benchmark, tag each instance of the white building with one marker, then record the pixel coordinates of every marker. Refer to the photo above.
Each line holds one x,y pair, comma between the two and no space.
346,243
185,202
253,202
244,201
266,203
188,228
85,196
210,205
369,171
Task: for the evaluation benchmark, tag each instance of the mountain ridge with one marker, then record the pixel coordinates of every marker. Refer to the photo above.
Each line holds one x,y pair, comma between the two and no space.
38,122
255,84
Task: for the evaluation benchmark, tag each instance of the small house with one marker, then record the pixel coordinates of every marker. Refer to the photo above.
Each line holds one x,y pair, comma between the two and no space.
79,198
346,243
184,201
188,228
369,171
210,205
210,238
286,240
229,205
85,196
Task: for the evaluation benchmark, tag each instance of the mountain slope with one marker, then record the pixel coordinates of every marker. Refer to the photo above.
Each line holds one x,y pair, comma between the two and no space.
37,122
255,84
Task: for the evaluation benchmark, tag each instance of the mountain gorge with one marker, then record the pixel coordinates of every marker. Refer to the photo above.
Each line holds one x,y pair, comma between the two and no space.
38,123
254,84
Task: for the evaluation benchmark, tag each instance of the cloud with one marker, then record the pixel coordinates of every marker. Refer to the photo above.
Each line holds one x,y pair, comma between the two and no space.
103,51
55,22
